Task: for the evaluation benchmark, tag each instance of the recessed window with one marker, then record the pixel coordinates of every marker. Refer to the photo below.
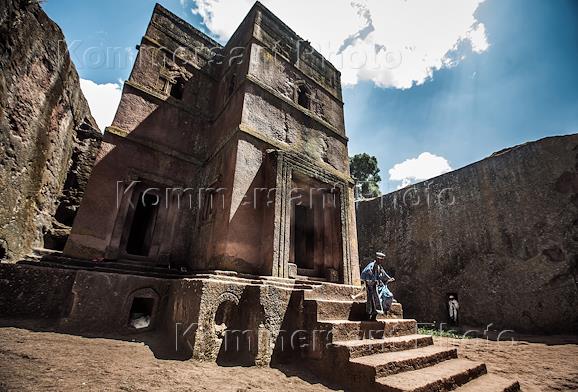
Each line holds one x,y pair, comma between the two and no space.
141,312
303,97
178,88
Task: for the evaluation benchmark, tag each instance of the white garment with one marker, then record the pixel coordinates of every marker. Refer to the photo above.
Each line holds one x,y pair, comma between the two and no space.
454,306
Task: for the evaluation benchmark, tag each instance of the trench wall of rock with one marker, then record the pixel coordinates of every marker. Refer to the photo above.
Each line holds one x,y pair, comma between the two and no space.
48,138
501,234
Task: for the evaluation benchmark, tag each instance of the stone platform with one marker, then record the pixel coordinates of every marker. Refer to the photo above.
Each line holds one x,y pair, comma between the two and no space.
235,319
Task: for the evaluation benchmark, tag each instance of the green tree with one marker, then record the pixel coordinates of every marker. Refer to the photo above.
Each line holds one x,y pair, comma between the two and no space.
365,172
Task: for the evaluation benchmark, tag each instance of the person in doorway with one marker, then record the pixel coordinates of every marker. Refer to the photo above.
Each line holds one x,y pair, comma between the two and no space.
379,297
453,307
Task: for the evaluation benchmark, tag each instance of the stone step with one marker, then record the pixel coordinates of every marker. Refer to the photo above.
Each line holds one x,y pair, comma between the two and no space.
395,312
252,281
232,276
355,330
444,376
45,252
99,267
54,258
386,364
118,267
364,347
333,309
334,291
490,383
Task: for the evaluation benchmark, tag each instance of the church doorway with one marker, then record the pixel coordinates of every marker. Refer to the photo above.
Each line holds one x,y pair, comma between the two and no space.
143,225
316,243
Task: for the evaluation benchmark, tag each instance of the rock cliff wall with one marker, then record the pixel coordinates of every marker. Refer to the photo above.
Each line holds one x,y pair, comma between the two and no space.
48,137
501,234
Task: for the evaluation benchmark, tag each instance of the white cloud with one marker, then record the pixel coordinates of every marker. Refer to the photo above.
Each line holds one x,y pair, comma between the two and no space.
478,39
395,43
425,166
103,100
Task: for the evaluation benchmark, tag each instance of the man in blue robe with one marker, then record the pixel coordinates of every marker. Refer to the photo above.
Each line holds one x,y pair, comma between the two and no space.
379,298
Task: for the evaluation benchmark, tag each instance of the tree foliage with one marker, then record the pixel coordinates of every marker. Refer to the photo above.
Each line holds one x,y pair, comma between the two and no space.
365,172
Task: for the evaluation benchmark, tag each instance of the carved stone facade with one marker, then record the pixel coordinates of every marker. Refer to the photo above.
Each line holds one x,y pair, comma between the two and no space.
225,158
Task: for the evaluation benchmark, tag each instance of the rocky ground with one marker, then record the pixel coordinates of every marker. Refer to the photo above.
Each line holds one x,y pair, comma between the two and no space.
31,361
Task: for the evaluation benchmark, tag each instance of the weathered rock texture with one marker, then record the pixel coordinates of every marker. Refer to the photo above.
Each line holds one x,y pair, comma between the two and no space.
501,233
48,137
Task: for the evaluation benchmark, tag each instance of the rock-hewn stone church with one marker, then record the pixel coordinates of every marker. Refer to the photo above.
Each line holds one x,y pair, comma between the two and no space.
218,222
225,158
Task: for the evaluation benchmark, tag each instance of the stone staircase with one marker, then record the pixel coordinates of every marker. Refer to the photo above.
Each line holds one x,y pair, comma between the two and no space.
383,355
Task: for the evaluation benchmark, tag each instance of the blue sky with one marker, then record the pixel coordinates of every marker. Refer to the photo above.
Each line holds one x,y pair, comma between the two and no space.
522,86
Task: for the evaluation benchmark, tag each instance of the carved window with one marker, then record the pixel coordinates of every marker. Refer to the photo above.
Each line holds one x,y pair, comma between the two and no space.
303,98
178,88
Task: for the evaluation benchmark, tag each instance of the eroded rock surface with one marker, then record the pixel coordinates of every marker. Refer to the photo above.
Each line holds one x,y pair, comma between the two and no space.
501,234
48,137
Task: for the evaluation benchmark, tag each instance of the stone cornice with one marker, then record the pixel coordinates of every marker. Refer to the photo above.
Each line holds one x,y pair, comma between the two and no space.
162,10
165,99
121,133
308,113
295,151
160,46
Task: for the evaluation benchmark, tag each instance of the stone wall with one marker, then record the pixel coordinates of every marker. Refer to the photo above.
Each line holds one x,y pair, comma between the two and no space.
189,318
501,233
48,138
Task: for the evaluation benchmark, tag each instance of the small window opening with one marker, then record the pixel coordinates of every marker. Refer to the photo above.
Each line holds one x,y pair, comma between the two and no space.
178,88
141,231
302,97
141,312
2,252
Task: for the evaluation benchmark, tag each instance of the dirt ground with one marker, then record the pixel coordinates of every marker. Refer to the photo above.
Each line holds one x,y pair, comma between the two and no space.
47,361
32,361
539,363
